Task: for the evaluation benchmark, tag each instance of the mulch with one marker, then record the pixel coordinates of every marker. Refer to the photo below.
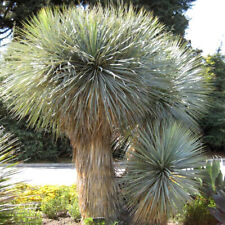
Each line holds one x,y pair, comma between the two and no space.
70,221
59,221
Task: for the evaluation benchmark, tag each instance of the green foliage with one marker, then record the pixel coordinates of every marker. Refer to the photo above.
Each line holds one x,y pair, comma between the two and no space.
170,13
197,212
213,123
157,180
91,221
212,186
26,216
8,149
60,203
88,221
74,211
98,221
211,178
219,211
53,207
36,145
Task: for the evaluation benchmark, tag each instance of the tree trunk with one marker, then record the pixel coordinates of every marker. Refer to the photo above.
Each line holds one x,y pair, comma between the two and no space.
96,181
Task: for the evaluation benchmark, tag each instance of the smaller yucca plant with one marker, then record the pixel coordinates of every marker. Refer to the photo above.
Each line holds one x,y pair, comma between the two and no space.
159,178
8,147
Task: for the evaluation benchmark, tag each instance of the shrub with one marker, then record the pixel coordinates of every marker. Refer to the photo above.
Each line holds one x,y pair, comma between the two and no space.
197,212
74,210
52,200
56,203
213,122
37,145
97,221
26,216
53,207
35,194
28,194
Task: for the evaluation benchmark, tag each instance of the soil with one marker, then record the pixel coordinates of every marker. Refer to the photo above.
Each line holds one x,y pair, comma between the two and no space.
60,221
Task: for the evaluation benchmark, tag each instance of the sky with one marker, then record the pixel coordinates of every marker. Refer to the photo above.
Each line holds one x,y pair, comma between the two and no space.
207,25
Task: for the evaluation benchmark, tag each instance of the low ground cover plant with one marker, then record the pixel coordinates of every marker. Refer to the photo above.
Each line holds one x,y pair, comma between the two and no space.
197,212
52,200
24,215
48,201
36,194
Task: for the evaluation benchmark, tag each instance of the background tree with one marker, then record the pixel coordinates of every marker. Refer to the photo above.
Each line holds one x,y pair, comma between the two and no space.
89,72
37,145
170,12
213,123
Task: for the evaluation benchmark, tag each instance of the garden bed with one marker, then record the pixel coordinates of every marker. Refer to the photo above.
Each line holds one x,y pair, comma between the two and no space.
70,221
58,205
59,221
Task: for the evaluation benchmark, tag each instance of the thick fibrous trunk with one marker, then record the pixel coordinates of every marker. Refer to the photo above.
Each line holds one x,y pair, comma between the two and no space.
96,182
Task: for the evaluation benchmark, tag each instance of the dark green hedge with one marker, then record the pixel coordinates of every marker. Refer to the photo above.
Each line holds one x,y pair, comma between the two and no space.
36,146
213,123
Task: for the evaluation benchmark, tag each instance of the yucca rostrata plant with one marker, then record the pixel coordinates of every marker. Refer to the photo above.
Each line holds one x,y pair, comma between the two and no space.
88,72
159,179
8,148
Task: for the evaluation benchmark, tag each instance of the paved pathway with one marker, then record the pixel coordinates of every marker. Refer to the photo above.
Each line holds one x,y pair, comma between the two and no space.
55,173
52,173
222,167
41,174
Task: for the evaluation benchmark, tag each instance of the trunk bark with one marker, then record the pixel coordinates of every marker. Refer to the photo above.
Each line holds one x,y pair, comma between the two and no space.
98,192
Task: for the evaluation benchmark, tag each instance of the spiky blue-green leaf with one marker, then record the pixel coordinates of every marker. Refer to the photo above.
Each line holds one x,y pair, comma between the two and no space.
159,178
75,69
